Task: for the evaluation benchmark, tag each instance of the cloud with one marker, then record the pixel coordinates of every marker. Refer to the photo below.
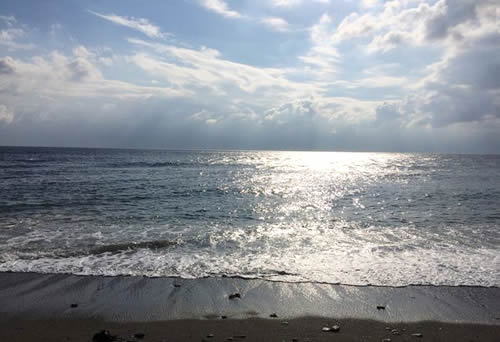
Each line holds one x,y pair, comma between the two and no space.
369,3
10,37
54,79
277,24
220,7
333,96
409,22
9,20
376,81
292,3
139,24
465,86
206,70
322,57
448,15
5,66
5,114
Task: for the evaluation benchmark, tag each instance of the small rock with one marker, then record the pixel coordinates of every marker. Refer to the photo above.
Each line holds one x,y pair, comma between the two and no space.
140,336
395,331
103,336
74,306
388,328
335,328
229,339
273,315
234,295
325,329
417,335
380,307
284,323
295,340
210,335
386,340
240,336
177,285
223,317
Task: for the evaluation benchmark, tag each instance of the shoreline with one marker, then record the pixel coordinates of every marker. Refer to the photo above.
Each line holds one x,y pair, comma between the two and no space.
59,307
137,298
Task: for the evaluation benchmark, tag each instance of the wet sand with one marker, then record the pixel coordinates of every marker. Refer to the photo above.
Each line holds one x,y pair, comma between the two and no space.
41,307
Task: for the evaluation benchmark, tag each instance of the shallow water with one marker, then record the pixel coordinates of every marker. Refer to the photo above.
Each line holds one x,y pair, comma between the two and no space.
352,218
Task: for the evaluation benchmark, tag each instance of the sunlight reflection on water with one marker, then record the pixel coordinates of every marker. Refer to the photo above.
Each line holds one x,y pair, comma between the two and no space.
358,218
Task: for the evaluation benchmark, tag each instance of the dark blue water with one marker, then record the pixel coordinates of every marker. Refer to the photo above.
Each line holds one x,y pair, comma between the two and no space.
356,218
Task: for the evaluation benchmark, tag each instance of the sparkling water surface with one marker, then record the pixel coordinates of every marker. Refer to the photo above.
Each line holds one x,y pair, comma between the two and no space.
351,218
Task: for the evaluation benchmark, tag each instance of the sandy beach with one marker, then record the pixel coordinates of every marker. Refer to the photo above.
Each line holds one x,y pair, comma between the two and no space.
50,307
301,329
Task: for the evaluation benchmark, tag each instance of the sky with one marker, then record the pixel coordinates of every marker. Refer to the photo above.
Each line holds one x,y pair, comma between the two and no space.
340,75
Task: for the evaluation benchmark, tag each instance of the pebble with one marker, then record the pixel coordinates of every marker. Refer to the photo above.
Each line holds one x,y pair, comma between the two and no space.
335,328
74,306
229,339
104,336
273,315
388,328
386,340
380,307
417,335
325,329
240,336
223,317
234,295
284,323
210,335
295,340
139,336
395,331
177,285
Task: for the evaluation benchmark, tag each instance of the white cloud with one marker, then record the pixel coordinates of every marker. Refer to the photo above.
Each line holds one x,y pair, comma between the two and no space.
278,24
53,79
220,7
206,69
376,81
6,115
323,57
292,3
369,3
412,22
11,36
139,24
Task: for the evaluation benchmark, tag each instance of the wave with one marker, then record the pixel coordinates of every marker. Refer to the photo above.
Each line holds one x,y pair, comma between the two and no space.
131,246
148,164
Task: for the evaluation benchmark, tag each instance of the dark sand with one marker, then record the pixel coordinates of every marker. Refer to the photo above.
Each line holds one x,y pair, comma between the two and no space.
259,330
37,307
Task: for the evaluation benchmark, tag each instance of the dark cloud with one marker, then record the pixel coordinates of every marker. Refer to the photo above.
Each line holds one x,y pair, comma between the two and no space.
452,14
467,86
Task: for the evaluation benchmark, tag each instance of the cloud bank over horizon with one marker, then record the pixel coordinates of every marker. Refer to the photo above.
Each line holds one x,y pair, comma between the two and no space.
400,75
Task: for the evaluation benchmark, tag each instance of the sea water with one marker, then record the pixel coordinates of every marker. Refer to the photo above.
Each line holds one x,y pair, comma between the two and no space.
352,218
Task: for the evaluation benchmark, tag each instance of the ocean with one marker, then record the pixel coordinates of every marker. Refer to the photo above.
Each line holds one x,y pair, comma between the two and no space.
390,219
